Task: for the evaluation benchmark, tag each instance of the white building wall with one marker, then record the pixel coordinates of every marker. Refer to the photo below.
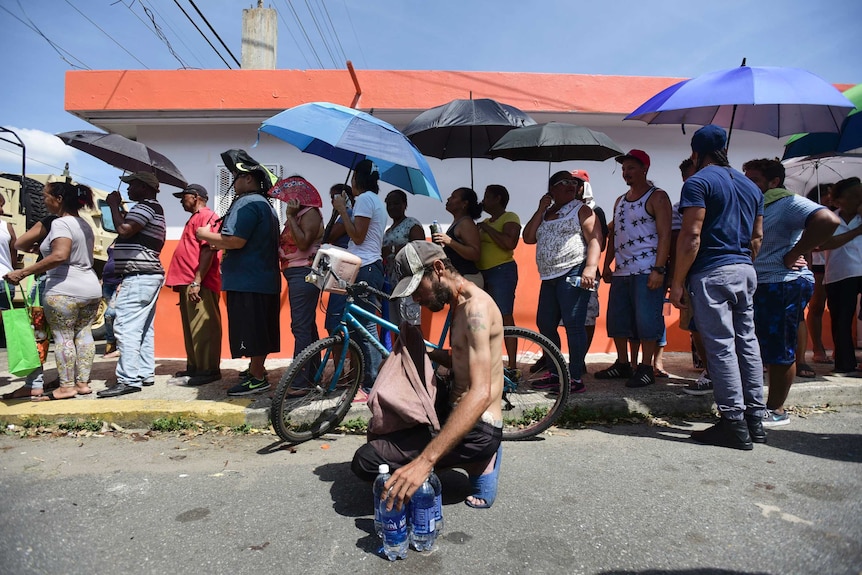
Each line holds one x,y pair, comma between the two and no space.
195,150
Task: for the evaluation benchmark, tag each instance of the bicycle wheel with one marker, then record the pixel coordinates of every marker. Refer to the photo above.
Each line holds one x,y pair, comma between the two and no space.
532,395
309,401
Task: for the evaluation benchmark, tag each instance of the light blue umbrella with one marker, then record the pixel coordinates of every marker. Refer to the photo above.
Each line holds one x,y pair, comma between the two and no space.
347,136
769,100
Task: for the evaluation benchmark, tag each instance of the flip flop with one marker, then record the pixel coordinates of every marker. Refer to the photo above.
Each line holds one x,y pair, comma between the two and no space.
18,394
50,397
805,370
660,373
485,486
818,358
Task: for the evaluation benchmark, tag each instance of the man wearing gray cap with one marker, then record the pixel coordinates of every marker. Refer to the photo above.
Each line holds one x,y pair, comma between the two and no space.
141,233
194,273
722,228
470,437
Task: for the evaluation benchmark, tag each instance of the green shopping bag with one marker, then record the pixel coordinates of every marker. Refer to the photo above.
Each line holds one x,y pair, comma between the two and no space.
21,348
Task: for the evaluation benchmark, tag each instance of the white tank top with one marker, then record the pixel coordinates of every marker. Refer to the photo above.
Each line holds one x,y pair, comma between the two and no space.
5,254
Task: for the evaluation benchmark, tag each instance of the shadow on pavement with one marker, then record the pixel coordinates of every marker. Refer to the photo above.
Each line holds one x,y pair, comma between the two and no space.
705,571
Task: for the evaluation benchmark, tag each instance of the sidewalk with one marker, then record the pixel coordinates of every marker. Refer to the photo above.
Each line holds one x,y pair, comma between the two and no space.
211,405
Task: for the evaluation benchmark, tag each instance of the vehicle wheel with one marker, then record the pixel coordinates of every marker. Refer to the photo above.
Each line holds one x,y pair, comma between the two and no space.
532,395
32,200
298,418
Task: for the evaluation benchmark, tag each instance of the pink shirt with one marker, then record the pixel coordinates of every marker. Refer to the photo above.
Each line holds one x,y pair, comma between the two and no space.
289,255
186,258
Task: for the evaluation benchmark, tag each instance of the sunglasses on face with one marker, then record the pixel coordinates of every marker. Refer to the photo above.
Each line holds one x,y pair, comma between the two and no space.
564,182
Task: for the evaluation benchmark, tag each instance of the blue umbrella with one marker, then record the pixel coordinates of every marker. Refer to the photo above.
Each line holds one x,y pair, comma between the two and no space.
347,136
769,100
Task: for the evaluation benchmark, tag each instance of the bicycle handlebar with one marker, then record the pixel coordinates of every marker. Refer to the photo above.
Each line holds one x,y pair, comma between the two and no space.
362,288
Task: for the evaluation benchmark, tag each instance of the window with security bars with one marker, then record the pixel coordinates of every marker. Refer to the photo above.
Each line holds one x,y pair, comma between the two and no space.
224,193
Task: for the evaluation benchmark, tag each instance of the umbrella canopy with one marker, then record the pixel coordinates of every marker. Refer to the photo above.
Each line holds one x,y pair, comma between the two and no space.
802,174
125,154
347,136
769,100
464,128
296,188
848,140
555,142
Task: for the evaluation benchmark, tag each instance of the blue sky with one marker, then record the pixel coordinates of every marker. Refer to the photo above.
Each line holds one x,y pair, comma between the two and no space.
658,38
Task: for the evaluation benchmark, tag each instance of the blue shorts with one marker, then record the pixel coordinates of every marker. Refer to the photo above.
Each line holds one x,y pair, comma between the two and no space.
500,283
778,311
634,310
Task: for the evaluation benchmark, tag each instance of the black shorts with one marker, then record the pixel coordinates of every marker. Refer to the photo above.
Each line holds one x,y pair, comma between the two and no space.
401,447
818,268
253,323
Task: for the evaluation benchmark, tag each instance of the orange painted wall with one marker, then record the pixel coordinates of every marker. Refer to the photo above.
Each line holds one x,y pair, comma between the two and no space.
169,335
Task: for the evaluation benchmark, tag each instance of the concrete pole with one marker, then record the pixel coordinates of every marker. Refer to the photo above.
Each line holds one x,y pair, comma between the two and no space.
259,38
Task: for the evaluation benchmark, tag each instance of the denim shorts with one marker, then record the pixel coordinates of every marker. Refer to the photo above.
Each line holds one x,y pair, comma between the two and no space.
500,283
634,310
778,310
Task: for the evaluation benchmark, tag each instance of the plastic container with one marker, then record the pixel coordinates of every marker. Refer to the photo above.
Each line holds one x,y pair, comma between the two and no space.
438,503
423,505
333,269
395,536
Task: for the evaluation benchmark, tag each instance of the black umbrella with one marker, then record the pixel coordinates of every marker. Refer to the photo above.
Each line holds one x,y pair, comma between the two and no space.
555,142
125,154
464,128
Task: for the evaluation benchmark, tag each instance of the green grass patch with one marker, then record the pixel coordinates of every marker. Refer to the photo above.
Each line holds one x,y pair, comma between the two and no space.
81,425
243,429
355,425
174,423
35,421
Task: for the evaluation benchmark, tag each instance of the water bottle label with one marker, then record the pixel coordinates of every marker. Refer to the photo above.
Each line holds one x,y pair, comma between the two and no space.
395,530
423,520
438,507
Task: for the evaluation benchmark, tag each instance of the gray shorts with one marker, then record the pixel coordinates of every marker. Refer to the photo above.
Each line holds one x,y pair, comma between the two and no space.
592,309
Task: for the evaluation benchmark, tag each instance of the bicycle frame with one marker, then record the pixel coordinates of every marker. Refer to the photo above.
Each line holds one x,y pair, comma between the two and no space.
349,321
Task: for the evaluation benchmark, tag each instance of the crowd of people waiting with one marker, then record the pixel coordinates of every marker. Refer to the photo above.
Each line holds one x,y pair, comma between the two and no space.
741,256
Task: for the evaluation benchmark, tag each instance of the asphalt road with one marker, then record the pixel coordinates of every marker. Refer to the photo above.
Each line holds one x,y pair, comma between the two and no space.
621,499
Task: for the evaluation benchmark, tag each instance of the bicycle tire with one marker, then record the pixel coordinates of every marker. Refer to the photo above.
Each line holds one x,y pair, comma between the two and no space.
529,408
298,419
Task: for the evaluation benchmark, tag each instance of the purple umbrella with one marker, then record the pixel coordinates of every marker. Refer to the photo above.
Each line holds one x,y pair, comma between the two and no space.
769,100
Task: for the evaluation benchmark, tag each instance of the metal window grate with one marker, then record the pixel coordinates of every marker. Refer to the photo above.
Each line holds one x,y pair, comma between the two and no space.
224,193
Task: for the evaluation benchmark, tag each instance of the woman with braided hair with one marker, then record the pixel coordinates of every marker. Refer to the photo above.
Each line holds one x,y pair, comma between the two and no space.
72,290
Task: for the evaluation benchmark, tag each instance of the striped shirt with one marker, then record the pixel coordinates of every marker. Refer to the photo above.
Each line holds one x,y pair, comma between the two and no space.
784,220
139,254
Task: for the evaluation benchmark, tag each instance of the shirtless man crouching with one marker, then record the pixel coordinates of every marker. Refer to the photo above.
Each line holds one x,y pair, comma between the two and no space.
470,437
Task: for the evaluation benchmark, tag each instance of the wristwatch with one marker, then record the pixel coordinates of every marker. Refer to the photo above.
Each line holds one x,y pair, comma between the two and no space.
660,269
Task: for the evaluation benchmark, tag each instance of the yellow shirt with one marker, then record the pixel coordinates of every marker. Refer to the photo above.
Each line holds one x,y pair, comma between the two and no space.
490,254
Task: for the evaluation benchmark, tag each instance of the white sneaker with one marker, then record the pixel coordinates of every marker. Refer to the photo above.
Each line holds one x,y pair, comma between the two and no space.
701,386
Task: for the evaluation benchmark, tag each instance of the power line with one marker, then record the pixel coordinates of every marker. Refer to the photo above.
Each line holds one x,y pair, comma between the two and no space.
293,37
158,30
320,33
192,2
189,18
355,36
304,33
60,51
334,32
178,35
111,38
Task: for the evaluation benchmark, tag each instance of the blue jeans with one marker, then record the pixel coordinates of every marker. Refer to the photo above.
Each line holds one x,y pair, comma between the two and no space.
500,283
302,296
134,328
108,291
634,310
372,274
558,300
723,303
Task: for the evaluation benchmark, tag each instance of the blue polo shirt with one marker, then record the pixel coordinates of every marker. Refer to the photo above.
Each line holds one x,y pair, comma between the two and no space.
732,203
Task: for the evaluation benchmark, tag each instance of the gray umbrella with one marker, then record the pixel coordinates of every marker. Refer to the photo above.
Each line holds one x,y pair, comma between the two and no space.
464,128
555,142
125,154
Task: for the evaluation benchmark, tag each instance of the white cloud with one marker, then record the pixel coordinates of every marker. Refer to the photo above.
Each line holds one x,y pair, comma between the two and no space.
45,152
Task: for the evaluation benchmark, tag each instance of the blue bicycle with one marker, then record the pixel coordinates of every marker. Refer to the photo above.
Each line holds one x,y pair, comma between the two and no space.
317,390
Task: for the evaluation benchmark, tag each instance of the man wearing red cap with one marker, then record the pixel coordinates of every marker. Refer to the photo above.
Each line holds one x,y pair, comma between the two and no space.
639,244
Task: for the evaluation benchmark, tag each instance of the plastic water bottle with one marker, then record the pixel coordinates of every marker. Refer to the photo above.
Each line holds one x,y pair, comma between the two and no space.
395,536
438,502
576,281
382,477
423,506
435,228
